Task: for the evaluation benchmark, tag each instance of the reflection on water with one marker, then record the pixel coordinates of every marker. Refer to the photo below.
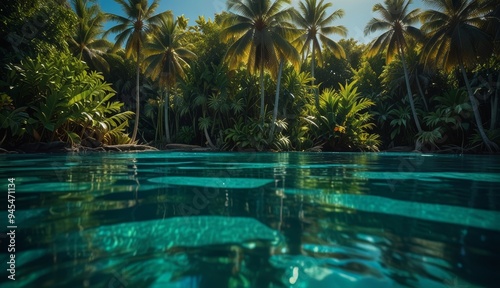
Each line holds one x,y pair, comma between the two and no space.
254,220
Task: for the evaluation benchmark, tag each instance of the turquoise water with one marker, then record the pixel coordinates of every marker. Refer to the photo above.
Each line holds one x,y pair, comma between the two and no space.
169,219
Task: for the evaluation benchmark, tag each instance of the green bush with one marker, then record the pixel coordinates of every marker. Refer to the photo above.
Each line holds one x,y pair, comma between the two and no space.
251,135
61,101
343,121
450,121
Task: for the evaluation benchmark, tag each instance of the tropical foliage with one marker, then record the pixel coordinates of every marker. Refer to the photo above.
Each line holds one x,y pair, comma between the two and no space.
344,122
263,75
85,43
45,103
456,39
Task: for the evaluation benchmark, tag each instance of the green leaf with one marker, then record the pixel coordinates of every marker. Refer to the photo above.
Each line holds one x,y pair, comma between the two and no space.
49,126
74,138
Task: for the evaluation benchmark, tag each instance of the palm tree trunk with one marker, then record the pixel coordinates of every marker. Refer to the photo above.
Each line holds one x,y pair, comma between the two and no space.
205,130
262,111
165,113
209,141
276,102
137,102
475,109
176,114
410,94
212,131
313,63
421,91
494,105
159,126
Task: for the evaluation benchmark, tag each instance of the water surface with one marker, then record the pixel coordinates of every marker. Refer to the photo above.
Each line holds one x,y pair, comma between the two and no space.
170,219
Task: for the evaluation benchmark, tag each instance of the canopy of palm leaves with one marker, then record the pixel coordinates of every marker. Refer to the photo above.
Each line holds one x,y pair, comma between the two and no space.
455,33
396,21
261,33
167,52
136,26
493,24
317,24
85,43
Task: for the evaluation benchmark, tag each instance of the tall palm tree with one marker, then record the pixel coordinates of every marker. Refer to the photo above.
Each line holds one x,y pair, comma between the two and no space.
84,43
316,24
132,30
456,39
260,37
396,21
166,57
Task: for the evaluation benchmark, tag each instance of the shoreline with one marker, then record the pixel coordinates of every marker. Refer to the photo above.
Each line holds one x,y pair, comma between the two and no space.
61,147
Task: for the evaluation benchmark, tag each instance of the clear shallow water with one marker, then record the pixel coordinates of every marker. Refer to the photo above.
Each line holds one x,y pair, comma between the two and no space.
253,220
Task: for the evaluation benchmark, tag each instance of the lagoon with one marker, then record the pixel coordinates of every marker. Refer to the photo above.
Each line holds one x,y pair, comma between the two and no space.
174,219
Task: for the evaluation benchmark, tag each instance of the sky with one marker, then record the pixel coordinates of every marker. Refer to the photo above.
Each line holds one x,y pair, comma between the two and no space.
357,13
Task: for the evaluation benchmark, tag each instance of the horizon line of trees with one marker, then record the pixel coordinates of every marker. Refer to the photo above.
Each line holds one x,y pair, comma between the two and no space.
434,87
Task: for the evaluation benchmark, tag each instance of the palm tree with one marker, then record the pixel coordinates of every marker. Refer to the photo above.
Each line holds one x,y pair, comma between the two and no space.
396,22
85,43
133,30
166,57
492,27
294,59
260,33
456,39
316,24
493,23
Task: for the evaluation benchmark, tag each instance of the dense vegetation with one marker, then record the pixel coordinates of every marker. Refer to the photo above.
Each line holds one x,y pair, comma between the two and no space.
263,76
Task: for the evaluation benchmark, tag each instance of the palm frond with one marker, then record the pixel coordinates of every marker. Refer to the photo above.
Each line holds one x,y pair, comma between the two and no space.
456,34
334,47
